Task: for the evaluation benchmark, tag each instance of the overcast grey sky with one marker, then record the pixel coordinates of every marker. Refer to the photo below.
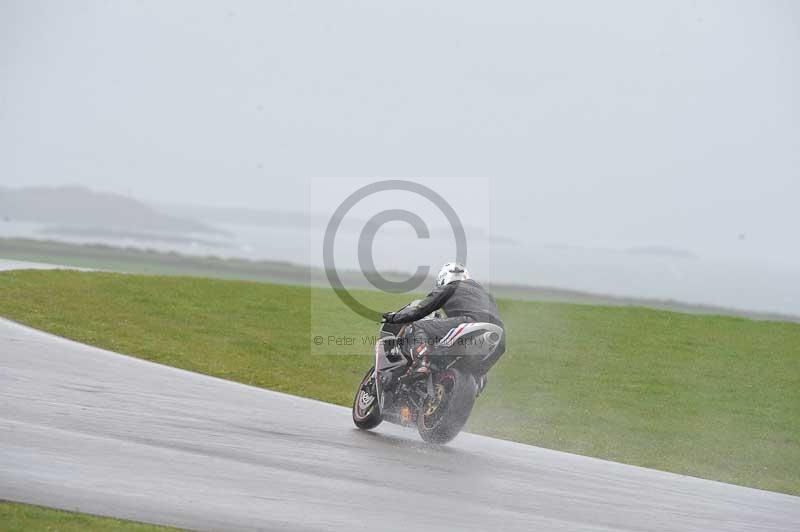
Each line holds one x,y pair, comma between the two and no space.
600,123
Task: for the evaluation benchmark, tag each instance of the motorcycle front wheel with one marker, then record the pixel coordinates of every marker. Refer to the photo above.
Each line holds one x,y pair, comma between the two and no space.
366,414
443,416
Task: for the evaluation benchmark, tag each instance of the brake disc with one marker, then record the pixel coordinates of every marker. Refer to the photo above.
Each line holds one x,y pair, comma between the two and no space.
434,403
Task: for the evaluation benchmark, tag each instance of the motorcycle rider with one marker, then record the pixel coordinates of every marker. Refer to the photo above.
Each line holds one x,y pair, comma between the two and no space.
463,300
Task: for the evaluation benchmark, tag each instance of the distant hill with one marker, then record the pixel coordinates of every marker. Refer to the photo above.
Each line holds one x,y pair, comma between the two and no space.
81,207
244,215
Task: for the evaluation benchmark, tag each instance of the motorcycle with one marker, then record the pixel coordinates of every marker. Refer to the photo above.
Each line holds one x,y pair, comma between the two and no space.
438,403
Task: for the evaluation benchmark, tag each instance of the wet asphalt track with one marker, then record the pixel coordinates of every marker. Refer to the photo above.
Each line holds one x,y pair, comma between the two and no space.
89,430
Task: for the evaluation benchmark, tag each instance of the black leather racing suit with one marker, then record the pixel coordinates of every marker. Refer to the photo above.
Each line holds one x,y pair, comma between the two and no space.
462,302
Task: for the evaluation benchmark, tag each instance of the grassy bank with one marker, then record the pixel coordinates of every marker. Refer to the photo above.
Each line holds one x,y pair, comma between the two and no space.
24,518
151,262
715,397
133,260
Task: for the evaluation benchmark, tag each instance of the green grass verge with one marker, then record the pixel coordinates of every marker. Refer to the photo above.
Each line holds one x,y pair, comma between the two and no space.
16,517
709,396
133,260
151,262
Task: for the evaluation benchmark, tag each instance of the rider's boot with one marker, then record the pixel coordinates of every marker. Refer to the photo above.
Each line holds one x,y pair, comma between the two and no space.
421,366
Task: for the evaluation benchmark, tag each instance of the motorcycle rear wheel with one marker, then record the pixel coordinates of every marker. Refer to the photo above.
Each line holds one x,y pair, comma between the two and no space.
441,419
366,414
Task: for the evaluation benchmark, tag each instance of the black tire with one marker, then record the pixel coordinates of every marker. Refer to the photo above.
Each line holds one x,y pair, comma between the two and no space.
366,416
451,415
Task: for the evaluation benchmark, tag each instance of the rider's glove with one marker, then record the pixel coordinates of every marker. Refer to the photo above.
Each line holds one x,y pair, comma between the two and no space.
388,317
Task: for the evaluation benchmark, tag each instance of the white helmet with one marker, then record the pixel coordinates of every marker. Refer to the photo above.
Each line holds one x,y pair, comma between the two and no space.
452,271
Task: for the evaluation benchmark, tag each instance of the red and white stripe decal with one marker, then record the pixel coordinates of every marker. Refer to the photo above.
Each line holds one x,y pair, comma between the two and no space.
455,333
